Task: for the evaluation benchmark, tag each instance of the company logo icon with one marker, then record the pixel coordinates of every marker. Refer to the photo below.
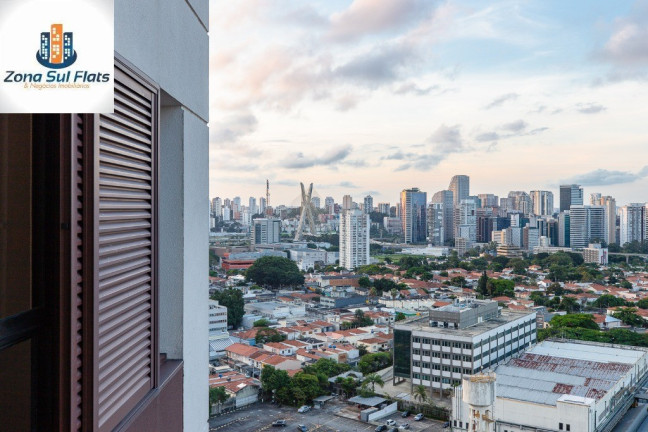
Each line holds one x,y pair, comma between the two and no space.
56,49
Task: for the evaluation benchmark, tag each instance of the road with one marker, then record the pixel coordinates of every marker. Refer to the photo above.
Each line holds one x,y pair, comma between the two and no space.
259,417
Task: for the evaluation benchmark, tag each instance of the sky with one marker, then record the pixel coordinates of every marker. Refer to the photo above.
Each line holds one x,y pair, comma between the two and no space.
375,96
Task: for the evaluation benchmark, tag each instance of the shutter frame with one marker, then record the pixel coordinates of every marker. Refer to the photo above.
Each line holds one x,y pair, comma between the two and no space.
117,212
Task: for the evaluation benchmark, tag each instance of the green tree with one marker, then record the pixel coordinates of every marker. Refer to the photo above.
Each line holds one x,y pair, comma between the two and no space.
643,304
373,379
274,379
400,316
267,334
569,304
420,393
629,316
364,282
348,385
328,367
274,272
232,299
608,300
482,284
263,322
585,321
373,362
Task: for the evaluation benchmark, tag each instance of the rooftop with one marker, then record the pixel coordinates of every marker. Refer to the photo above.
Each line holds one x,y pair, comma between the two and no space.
506,316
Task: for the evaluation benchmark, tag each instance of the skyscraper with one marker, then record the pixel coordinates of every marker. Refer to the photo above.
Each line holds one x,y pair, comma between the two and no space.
266,231
317,203
521,201
488,200
466,219
347,202
587,225
542,203
460,187
414,215
610,215
570,195
632,223
564,228
354,239
445,197
329,204
252,207
368,204
262,205
383,208
435,220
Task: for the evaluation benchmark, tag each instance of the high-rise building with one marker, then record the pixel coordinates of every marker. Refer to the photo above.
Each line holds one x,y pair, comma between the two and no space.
354,239
570,195
347,202
266,231
587,225
216,208
460,187
542,203
316,202
445,197
262,205
368,204
383,208
488,200
435,220
521,201
610,215
329,204
632,223
564,228
414,215
466,219
252,207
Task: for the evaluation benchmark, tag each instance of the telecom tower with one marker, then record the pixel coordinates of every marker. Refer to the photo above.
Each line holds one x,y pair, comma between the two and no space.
306,212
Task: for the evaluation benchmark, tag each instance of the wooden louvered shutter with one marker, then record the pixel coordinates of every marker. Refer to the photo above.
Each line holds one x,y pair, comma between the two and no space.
125,256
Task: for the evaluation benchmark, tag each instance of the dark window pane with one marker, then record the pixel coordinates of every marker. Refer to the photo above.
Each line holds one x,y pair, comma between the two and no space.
15,385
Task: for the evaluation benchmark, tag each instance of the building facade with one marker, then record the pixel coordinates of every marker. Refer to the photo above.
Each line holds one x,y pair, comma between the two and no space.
570,195
266,231
632,223
586,225
460,188
543,203
414,215
446,198
435,221
354,239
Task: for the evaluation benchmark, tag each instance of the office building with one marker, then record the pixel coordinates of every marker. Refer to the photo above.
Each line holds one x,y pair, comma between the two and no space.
414,215
632,223
557,385
445,197
262,205
354,239
564,229
329,205
383,208
393,225
217,208
542,203
587,225
570,195
436,228
347,202
103,317
466,219
460,188
610,215
521,202
316,202
252,207
459,340
368,204
488,200
266,231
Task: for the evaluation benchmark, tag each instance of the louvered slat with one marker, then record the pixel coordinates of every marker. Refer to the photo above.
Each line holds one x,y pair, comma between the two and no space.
125,264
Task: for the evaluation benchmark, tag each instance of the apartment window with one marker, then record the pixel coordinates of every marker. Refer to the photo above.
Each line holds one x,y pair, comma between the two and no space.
567,427
560,426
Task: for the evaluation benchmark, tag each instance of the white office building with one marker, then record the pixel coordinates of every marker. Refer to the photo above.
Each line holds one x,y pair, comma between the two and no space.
587,224
266,231
632,223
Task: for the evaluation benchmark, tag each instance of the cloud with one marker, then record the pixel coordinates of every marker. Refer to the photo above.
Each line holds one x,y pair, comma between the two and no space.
233,128
299,160
411,88
604,177
487,136
500,100
365,17
516,126
346,102
447,139
422,162
590,108
347,184
377,67
627,44
399,155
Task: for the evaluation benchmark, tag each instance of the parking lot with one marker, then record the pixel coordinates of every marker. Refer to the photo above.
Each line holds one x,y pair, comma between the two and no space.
423,425
259,417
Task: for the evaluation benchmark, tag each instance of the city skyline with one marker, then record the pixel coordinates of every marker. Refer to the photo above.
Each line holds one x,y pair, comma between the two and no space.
310,93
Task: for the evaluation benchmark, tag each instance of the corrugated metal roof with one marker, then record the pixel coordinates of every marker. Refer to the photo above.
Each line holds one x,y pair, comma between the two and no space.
582,351
370,401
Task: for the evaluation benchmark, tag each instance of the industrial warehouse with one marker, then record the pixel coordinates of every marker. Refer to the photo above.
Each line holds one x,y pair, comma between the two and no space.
554,386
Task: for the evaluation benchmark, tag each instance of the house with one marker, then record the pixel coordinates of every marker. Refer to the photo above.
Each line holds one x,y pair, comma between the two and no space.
606,322
242,389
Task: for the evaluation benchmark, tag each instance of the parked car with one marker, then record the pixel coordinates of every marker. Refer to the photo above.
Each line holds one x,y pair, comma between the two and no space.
446,424
391,422
418,417
394,429
405,414
380,428
404,426
303,409
279,423
302,428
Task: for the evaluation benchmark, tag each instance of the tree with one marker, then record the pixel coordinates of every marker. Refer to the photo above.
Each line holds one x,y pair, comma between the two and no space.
393,292
585,321
643,304
308,384
232,299
217,395
420,393
400,316
629,316
328,367
373,379
362,349
274,272
482,284
608,300
373,362
568,304
274,379
458,281
263,322
348,385
267,334
364,282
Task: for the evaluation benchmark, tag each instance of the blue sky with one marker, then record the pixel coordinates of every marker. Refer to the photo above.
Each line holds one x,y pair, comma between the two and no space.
373,96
